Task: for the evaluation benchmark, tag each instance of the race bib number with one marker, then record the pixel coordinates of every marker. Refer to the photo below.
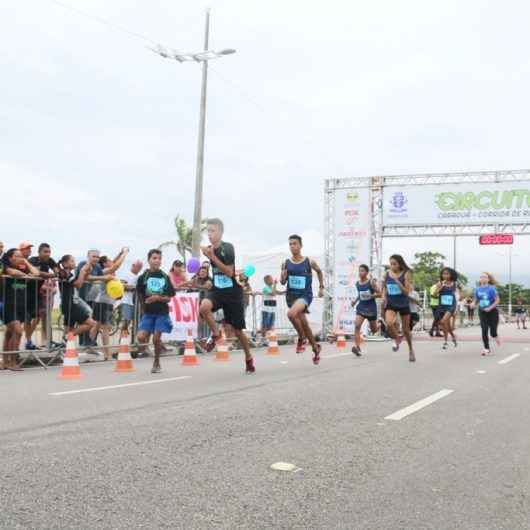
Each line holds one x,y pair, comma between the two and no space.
446,299
155,285
393,289
484,302
297,282
222,281
365,295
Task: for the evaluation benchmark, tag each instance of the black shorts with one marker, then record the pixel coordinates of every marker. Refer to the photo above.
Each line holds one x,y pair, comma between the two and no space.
103,313
12,313
441,310
403,311
232,305
371,317
75,314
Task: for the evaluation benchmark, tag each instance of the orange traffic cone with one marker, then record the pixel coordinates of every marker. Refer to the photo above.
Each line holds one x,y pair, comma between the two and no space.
124,362
71,369
341,340
273,348
190,357
222,354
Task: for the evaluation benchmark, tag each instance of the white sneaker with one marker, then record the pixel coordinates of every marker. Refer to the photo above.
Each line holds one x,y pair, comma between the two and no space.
485,352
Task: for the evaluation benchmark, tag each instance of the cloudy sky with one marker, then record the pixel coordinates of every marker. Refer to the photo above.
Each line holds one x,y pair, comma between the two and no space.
98,134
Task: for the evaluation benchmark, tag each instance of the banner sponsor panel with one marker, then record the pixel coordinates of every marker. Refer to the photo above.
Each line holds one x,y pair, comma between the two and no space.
184,314
352,248
457,204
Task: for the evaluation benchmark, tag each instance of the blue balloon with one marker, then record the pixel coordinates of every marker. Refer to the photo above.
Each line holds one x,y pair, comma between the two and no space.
249,270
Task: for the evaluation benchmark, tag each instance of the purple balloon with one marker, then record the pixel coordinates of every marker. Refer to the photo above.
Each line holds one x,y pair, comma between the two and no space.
194,265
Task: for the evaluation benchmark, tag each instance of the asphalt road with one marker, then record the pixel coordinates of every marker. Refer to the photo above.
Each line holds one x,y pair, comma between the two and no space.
195,449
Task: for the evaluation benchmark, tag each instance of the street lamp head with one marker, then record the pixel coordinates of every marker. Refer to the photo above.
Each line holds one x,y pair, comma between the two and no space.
227,51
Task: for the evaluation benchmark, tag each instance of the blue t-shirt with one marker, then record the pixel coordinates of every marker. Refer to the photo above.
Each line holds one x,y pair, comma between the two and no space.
485,295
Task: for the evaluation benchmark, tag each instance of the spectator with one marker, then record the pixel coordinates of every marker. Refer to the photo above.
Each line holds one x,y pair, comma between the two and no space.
46,288
470,310
32,288
129,280
76,313
155,290
85,290
414,302
19,272
268,309
103,303
1,249
178,277
203,283
462,309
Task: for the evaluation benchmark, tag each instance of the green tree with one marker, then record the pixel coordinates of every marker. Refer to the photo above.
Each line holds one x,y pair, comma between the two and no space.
519,292
426,269
184,237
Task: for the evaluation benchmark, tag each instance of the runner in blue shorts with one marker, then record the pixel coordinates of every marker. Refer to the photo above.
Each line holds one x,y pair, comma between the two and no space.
155,291
297,273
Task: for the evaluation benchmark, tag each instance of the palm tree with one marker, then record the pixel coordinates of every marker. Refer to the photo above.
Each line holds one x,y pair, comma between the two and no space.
184,237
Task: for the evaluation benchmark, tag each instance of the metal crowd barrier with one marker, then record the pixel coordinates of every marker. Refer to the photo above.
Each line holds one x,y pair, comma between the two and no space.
37,306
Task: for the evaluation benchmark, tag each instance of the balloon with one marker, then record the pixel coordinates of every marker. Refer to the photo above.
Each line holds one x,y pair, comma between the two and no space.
115,289
249,270
194,265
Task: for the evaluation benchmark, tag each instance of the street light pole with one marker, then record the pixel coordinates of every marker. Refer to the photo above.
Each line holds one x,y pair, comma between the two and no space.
199,174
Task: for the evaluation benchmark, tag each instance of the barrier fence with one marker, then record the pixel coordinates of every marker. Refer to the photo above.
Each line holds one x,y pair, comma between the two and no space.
32,307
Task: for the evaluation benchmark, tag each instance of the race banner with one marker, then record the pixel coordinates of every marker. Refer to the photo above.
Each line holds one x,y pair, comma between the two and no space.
184,314
457,204
352,248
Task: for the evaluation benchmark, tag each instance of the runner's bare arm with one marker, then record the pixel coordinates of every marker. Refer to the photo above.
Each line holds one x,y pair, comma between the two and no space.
378,293
227,270
283,274
406,286
320,274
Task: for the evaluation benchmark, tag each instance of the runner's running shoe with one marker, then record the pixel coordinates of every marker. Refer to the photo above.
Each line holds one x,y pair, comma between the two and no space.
250,368
300,346
316,354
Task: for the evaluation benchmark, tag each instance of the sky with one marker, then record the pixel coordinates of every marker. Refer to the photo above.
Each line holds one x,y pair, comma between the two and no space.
98,135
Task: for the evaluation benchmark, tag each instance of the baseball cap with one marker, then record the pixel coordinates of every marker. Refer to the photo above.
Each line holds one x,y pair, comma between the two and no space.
24,244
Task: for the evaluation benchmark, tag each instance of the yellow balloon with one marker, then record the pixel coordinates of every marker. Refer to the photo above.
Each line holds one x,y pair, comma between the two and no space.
115,289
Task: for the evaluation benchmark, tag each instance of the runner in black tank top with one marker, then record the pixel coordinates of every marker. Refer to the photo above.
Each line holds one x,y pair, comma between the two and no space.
366,307
396,289
226,293
448,292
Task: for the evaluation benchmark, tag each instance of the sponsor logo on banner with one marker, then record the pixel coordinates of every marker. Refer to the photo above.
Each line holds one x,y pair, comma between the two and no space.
184,314
457,204
398,205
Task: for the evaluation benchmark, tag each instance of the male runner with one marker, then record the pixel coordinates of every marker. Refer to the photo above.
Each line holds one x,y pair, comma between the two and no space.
226,293
297,273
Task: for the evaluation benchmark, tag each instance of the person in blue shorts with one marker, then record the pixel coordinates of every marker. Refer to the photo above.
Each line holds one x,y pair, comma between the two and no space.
397,287
365,305
297,273
448,293
487,299
155,291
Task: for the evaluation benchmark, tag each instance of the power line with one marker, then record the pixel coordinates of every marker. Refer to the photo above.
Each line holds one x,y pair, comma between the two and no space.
101,20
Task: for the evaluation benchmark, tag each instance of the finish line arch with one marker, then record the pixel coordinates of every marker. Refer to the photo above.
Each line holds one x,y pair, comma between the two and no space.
360,212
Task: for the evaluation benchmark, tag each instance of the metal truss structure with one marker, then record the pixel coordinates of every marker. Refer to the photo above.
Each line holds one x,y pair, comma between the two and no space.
380,231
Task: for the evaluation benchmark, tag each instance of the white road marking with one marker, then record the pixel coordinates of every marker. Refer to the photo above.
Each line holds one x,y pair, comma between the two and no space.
506,360
400,414
481,371
125,385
